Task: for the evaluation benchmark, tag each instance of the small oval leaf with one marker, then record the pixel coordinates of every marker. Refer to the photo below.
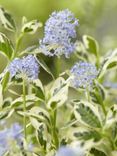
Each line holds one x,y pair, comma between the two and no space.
6,46
91,44
31,27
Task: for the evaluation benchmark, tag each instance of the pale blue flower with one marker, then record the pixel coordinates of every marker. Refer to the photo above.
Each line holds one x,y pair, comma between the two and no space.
14,131
65,151
7,134
58,34
26,67
30,67
83,75
15,67
2,151
70,151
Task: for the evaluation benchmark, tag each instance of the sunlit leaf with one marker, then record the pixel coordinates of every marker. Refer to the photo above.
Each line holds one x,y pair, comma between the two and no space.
91,44
30,99
59,93
1,96
7,20
85,134
7,113
39,89
109,62
38,115
45,67
103,148
88,114
31,27
98,94
5,81
6,46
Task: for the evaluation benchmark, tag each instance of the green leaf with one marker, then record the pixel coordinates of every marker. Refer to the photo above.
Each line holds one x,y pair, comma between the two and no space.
87,135
111,121
7,102
45,67
6,46
30,99
31,27
58,93
37,116
109,62
5,81
38,84
1,96
6,113
88,114
38,89
98,93
97,152
41,135
112,65
103,148
7,20
91,44
114,131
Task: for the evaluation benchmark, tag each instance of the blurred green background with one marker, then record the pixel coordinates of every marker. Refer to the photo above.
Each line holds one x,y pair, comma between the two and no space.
96,18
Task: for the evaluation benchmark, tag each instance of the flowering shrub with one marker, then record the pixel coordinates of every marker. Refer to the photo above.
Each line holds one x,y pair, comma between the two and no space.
75,114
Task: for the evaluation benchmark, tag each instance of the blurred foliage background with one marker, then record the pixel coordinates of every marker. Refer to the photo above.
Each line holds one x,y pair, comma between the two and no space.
96,18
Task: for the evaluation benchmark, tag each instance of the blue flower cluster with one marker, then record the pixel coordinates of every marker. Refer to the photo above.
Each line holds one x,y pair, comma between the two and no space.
66,151
27,67
9,134
83,74
70,151
58,34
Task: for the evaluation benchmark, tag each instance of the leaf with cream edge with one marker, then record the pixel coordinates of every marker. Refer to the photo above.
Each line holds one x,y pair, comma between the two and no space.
58,93
31,27
103,146
30,99
45,67
88,114
91,45
39,115
109,62
7,20
6,46
1,96
85,134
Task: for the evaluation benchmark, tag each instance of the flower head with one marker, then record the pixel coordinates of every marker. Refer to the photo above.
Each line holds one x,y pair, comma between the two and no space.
30,67
26,67
15,67
64,151
83,75
58,34
69,151
9,134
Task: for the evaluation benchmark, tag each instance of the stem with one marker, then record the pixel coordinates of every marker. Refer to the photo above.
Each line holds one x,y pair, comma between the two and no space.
79,57
98,61
88,95
103,108
24,104
18,42
54,130
57,64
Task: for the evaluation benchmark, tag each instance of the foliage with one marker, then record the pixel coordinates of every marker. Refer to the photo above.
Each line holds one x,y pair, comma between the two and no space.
53,121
